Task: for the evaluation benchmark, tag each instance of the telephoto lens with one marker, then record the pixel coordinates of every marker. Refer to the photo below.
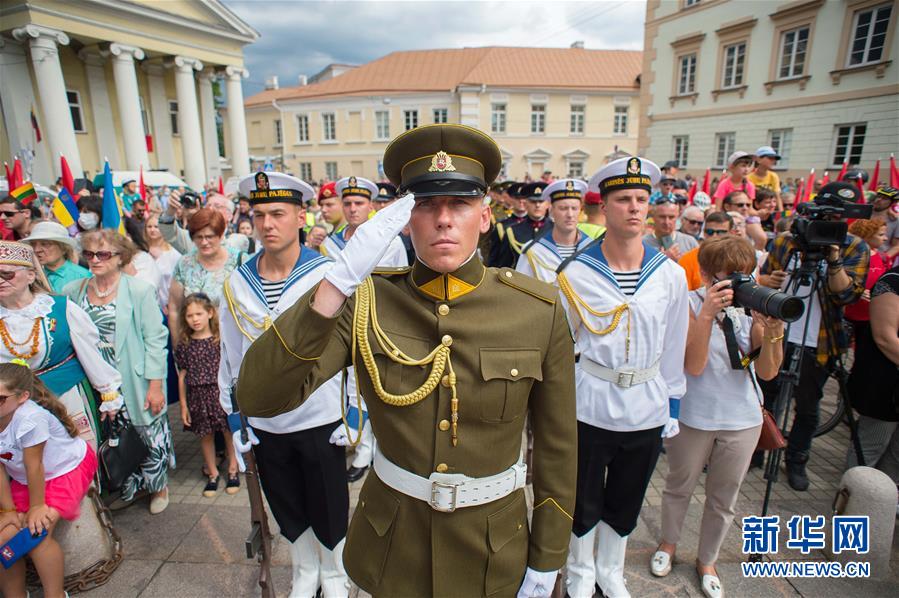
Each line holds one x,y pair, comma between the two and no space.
749,294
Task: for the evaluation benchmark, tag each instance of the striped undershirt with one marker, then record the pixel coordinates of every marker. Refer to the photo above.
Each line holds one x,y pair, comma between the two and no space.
565,251
273,291
627,281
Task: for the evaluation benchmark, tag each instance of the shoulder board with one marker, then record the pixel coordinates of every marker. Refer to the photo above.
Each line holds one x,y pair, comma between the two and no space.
526,284
386,271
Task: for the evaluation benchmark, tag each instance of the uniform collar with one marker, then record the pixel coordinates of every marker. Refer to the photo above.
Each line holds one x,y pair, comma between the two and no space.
451,286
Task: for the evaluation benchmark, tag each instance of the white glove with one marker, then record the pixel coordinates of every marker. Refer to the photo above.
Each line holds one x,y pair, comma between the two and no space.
339,437
671,428
538,584
368,245
240,447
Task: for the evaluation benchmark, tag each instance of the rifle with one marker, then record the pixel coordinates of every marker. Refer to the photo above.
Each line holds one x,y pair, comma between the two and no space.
259,542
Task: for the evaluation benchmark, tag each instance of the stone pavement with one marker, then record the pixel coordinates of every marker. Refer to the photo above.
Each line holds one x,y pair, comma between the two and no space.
196,547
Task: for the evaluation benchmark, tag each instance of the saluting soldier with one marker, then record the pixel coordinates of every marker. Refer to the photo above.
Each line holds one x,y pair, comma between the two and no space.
301,472
627,304
444,511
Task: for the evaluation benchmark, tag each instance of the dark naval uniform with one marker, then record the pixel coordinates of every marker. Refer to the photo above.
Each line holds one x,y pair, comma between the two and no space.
462,412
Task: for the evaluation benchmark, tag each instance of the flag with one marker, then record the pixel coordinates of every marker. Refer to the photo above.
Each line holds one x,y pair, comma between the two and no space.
894,172
142,191
68,181
797,199
112,205
707,182
861,186
34,125
825,179
843,170
872,185
221,185
9,180
691,193
809,186
65,210
24,194
17,178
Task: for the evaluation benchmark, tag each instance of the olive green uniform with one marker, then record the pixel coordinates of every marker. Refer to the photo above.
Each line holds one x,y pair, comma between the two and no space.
504,367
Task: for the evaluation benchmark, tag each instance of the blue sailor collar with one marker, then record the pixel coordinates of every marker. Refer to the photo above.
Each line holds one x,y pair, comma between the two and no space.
550,243
308,261
594,258
339,238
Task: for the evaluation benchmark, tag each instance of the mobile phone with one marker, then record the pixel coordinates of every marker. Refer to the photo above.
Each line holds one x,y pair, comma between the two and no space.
20,545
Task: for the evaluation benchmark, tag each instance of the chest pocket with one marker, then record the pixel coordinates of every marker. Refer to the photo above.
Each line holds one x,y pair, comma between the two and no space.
397,378
508,375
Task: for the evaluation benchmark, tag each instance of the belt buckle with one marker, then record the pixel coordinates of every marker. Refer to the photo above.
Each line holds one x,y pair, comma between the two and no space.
625,379
435,488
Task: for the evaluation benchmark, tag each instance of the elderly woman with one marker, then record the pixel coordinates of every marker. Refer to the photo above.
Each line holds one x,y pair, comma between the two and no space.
133,339
720,414
56,338
55,250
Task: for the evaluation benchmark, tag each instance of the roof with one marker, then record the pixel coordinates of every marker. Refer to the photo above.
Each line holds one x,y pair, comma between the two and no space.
444,70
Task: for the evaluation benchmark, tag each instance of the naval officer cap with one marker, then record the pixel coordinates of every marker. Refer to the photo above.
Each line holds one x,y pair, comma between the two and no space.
514,190
533,191
386,192
356,185
275,187
442,159
565,189
625,173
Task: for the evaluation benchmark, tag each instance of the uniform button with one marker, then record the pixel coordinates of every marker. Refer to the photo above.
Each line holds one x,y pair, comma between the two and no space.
442,467
443,309
514,372
444,425
508,274
447,340
445,381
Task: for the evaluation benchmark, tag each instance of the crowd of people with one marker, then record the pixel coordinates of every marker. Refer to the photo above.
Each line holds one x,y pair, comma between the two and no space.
204,294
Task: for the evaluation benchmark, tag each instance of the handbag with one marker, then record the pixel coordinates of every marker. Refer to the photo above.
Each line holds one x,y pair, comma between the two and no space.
121,453
771,437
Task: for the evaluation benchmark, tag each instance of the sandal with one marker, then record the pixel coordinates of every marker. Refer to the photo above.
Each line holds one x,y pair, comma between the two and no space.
212,487
233,484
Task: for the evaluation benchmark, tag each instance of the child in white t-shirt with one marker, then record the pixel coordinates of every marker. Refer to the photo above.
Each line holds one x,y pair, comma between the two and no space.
45,472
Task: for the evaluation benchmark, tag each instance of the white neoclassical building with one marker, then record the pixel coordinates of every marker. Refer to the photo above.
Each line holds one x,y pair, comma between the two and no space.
138,82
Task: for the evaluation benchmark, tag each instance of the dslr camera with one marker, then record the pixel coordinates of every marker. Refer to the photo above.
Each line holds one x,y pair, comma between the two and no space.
823,222
748,294
190,200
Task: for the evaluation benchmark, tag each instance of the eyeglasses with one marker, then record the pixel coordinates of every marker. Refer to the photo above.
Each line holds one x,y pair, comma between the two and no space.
711,232
204,238
10,274
9,214
101,256
693,222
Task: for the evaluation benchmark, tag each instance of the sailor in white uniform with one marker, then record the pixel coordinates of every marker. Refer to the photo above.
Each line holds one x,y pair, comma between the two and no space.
628,307
301,472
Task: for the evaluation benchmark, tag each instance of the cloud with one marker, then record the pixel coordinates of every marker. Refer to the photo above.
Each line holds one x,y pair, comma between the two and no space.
300,37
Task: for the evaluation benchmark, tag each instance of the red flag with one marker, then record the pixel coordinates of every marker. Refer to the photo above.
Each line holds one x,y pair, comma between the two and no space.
825,179
809,185
68,181
18,177
861,187
843,170
142,190
9,180
872,185
691,193
35,126
797,199
221,185
707,182
894,172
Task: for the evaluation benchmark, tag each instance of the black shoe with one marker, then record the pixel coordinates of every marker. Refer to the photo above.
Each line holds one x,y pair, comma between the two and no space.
212,486
354,474
233,484
796,475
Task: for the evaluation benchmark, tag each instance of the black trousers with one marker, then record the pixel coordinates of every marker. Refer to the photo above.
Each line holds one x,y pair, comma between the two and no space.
304,480
613,471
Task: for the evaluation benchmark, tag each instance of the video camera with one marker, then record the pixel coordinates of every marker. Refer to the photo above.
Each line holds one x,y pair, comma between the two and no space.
749,294
190,200
823,222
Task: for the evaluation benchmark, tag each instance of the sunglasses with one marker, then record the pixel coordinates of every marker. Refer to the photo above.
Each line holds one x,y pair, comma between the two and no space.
693,222
711,232
4,397
10,274
9,214
740,205
101,256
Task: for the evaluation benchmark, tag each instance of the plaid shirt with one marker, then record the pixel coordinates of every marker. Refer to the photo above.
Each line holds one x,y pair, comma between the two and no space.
832,338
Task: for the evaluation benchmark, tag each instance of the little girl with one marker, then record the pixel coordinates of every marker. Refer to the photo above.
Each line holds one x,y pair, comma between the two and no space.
45,472
197,358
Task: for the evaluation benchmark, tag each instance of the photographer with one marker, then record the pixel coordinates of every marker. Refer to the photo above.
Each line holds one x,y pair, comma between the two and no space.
720,415
843,271
173,223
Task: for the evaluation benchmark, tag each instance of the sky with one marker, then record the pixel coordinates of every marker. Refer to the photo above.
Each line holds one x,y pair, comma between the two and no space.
300,37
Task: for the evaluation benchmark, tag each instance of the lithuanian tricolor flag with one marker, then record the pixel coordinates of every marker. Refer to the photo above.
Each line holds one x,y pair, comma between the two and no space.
24,194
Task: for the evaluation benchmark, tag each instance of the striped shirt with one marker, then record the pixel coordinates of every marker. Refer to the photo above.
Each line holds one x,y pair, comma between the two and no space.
566,251
273,291
627,281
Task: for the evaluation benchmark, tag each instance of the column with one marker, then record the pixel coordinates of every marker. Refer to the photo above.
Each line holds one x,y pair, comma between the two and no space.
189,121
161,117
101,107
132,125
58,127
207,119
237,124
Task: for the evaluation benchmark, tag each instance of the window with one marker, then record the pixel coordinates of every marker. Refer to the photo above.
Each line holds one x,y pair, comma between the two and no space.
620,120
688,3
331,171
302,128
848,143
306,171
869,32
577,119
681,149
440,115
724,147
278,138
410,118
538,118
687,80
575,169
75,108
781,140
382,124
734,61
498,118
173,116
793,45
329,127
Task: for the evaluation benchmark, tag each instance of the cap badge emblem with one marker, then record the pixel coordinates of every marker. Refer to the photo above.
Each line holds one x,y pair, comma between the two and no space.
262,181
633,166
538,190
351,182
383,191
569,186
846,194
441,162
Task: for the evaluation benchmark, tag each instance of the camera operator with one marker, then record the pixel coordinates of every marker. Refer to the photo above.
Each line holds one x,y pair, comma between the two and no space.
843,271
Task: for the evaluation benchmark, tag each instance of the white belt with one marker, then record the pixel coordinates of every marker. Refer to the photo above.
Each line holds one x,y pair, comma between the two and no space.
447,492
623,378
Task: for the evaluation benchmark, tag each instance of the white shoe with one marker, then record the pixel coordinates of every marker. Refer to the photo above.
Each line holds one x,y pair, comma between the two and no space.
158,503
660,563
335,582
711,586
610,555
305,565
581,577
